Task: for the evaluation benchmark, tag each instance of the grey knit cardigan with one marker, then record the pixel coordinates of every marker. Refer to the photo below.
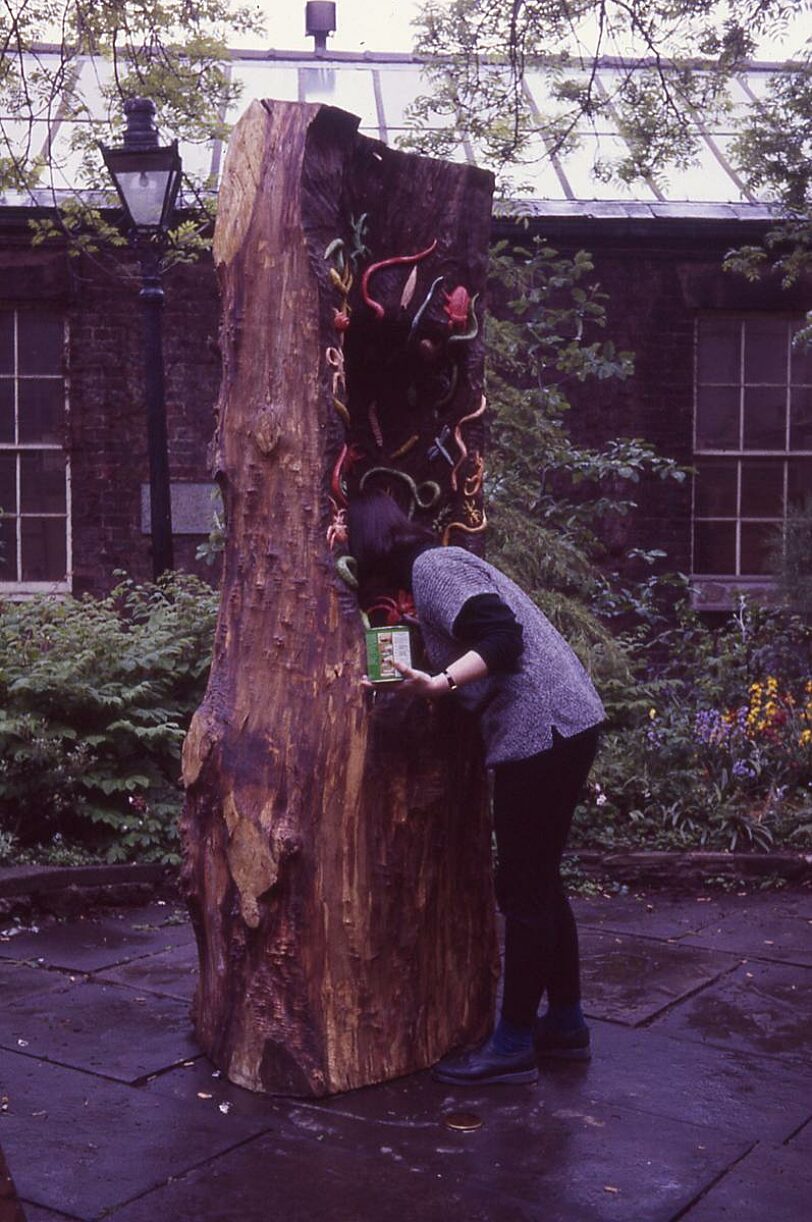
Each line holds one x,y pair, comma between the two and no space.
517,711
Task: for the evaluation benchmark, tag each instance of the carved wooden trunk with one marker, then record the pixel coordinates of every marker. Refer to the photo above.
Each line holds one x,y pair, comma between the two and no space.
337,851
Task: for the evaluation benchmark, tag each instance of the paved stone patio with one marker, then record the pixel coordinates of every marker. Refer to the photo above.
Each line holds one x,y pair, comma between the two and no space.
697,1103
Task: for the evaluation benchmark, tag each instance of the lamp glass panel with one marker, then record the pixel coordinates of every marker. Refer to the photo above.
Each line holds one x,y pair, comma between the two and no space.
144,192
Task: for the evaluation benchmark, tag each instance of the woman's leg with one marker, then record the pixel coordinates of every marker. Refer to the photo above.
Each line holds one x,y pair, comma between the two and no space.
534,801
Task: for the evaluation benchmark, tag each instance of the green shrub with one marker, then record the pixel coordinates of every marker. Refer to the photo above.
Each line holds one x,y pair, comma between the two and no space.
95,697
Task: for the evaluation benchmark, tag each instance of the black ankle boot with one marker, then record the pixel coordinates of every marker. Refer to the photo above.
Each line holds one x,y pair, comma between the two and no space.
484,1066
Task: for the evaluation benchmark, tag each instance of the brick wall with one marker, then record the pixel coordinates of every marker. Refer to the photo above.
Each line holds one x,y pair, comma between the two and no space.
658,279
107,434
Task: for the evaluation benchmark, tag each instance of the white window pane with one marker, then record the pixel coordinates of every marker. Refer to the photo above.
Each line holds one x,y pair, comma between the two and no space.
766,350
762,494
719,350
715,547
765,418
7,411
8,548
758,539
716,489
42,482
6,341
41,411
8,484
717,417
40,338
44,552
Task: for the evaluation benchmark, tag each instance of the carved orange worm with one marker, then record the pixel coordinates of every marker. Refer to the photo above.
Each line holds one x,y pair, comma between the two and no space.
458,438
376,306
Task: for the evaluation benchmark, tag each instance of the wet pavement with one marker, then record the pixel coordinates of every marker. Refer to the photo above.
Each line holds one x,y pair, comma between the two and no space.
696,1105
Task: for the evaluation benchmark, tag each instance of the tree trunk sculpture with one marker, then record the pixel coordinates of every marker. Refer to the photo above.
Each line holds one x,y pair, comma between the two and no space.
337,849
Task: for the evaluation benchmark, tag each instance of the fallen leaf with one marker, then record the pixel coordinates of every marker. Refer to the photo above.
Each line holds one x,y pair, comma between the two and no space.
201,1094
22,1043
609,1188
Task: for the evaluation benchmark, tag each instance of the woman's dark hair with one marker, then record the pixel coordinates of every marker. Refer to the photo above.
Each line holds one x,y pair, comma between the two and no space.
383,540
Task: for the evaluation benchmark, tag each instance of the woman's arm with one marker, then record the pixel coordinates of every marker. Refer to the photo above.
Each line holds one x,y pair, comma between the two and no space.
489,626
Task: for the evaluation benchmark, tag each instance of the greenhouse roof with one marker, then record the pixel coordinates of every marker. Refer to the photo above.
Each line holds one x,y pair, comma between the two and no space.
378,87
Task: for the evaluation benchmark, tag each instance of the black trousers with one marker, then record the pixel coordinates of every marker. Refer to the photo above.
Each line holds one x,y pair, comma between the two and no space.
534,801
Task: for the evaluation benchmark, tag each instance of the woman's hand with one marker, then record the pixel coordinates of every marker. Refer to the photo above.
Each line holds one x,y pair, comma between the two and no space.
416,681
421,683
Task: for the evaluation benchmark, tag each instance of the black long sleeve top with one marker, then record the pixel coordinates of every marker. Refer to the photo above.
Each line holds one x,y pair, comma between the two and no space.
487,625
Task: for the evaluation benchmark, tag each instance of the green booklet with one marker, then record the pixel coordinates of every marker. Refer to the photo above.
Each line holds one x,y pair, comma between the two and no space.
385,647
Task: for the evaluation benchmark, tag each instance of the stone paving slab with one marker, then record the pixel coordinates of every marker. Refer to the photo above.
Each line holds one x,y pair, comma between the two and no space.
630,980
80,1145
10,1208
103,1029
525,1162
664,916
785,937
171,974
19,980
802,1141
760,1007
90,944
632,1068
646,915
37,1213
771,1183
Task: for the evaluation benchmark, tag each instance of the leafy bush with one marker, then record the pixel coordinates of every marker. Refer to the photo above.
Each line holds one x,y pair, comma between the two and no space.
720,753
95,697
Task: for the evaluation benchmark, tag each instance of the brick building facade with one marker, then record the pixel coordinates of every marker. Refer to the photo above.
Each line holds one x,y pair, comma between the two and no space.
76,472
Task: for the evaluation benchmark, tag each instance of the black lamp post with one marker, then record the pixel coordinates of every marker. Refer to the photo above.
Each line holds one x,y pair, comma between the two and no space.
147,178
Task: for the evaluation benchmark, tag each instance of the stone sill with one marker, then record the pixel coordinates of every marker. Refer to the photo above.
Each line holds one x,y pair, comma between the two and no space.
691,870
70,888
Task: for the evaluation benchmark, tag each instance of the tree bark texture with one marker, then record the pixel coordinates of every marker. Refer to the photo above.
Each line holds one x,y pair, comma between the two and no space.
337,849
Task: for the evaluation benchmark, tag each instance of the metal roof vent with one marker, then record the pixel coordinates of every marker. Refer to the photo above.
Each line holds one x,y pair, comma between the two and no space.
320,20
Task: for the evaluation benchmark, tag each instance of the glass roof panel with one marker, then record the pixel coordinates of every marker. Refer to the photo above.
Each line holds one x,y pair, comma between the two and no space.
593,153
349,86
705,180
259,80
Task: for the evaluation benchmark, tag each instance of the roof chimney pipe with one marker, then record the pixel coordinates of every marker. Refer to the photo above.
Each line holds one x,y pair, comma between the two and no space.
320,20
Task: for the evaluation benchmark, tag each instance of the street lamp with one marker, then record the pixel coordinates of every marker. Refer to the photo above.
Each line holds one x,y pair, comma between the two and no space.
147,179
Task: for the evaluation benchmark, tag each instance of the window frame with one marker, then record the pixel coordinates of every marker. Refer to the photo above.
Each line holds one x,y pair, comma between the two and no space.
22,589
718,591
